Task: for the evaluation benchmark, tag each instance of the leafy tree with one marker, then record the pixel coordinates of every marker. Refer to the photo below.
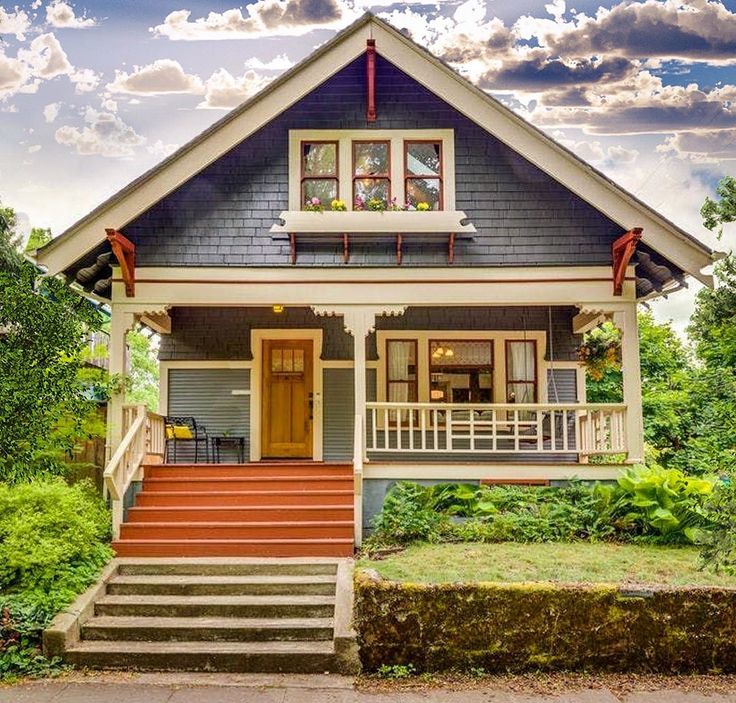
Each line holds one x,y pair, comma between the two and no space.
43,325
143,371
666,375
39,237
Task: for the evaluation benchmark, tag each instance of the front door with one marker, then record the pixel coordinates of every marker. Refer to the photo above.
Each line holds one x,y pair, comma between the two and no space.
287,399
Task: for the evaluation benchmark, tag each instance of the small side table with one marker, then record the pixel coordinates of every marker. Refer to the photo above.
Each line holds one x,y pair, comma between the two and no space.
236,442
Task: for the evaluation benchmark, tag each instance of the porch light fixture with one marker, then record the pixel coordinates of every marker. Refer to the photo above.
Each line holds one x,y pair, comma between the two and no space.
278,309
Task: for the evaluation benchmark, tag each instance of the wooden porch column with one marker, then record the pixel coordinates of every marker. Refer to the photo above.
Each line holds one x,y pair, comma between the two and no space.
121,322
626,322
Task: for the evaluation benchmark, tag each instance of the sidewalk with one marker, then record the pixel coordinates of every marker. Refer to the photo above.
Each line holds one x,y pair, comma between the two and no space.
231,688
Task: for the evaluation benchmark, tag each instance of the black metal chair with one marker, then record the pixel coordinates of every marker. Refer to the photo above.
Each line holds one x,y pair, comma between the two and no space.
175,425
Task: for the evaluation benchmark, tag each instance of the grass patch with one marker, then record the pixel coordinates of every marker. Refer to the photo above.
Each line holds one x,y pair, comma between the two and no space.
554,562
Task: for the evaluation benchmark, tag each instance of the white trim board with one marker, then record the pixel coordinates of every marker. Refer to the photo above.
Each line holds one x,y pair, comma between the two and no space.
616,203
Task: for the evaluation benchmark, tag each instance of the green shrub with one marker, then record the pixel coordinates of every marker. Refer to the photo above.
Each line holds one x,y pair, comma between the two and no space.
408,516
652,504
54,539
663,503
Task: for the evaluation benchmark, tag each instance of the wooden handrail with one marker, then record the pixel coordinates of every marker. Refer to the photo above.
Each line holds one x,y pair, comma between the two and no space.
144,434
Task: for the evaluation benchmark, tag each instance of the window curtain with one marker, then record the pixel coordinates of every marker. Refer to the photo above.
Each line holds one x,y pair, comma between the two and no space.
521,371
399,356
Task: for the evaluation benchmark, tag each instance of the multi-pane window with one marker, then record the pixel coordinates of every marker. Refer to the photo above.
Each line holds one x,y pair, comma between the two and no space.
319,172
423,173
461,371
521,371
401,371
371,171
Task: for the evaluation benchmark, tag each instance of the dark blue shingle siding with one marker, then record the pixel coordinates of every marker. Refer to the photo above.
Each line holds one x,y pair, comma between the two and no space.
222,216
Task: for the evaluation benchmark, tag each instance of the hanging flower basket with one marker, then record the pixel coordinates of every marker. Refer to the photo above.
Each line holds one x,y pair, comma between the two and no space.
600,351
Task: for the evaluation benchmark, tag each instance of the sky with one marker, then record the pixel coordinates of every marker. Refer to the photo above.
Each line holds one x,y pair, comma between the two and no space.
92,94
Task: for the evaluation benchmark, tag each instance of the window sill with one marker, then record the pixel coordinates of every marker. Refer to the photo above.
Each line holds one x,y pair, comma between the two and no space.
373,222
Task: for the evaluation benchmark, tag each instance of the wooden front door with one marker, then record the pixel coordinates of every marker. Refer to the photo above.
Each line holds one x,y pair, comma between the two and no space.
286,424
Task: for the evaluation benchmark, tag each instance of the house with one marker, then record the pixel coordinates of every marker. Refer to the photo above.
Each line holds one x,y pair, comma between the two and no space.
349,348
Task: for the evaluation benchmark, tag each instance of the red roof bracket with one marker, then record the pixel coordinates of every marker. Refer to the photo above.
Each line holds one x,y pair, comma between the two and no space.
371,79
124,251
623,249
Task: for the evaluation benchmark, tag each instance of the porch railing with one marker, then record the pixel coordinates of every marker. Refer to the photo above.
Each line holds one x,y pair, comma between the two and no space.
460,428
143,434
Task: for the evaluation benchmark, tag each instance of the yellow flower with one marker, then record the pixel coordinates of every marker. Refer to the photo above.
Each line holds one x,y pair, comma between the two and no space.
338,205
422,207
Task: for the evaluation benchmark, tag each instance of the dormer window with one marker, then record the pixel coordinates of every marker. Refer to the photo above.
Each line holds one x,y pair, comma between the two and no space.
371,171
423,169
319,171
394,168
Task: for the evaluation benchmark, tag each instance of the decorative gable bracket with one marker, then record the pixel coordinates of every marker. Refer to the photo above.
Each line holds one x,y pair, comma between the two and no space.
124,251
371,79
623,249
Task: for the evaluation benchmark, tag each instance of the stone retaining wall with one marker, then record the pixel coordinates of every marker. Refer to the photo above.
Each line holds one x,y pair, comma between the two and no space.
518,627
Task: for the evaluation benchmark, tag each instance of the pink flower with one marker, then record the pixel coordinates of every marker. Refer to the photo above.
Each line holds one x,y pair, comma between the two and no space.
316,201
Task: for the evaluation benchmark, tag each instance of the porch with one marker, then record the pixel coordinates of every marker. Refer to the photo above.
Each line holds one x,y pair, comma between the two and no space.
421,391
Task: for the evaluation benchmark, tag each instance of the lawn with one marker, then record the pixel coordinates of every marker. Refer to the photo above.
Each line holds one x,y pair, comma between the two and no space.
577,562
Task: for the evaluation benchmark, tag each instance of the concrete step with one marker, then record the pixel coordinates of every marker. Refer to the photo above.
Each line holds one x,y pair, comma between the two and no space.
243,513
297,606
222,585
168,629
267,657
333,547
222,497
251,483
227,567
260,469
237,530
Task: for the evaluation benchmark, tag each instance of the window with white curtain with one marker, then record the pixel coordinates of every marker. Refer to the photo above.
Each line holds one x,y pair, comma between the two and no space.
521,371
401,371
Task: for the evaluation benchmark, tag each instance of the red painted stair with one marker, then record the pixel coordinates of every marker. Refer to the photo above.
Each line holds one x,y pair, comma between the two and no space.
264,509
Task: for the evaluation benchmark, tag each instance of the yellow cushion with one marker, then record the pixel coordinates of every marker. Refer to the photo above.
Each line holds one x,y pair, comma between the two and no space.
178,432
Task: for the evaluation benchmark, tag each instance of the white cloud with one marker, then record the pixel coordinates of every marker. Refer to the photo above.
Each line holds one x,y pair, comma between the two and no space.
13,74
161,77
109,105
85,80
51,112
224,90
15,22
262,18
103,134
34,148
279,63
161,150
61,14
45,57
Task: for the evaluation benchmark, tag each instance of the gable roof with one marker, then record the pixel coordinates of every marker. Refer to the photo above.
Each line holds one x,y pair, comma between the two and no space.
619,205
